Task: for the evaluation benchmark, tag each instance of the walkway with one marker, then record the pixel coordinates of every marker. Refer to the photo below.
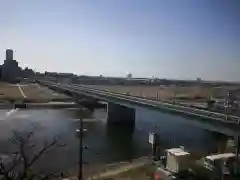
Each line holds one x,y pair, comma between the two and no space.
21,91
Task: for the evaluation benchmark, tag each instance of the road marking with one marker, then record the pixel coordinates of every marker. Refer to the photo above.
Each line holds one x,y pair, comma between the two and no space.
21,91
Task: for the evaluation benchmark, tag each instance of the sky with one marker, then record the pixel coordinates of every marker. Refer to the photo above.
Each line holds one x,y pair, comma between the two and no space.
175,39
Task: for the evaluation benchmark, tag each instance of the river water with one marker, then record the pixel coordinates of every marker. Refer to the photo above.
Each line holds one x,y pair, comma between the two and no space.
106,144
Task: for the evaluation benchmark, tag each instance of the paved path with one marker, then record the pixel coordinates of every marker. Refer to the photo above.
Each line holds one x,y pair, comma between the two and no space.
21,91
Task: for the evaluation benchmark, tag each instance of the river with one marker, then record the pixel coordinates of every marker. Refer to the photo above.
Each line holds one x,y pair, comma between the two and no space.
106,144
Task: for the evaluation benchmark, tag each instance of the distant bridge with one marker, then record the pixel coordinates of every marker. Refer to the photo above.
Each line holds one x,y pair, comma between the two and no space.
121,108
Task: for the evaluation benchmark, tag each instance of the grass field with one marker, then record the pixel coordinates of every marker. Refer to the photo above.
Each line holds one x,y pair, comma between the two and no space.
36,92
9,92
167,92
31,92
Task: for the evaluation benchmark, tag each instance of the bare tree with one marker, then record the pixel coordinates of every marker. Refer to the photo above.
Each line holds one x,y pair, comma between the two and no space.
19,164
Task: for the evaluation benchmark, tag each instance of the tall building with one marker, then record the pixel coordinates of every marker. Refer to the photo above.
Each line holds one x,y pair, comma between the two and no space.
10,69
0,72
9,54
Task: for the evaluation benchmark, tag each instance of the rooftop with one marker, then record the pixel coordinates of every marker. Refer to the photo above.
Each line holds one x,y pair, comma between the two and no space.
177,152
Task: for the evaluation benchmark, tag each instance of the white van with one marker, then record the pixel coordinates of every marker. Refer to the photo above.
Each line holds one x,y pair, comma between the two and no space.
210,162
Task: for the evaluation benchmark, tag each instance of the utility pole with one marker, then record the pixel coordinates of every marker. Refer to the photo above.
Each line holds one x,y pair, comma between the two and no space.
226,106
237,152
80,150
79,134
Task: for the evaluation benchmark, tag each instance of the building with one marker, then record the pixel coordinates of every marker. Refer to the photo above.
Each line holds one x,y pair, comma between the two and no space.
9,54
11,72
199,80
0,72
129,76
10,69
27,73
177,160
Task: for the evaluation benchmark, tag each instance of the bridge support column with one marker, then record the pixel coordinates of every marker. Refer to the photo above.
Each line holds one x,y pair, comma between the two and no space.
117,114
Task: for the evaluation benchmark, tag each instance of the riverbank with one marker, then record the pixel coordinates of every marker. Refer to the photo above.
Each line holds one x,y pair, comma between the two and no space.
137,169
29,92
29,95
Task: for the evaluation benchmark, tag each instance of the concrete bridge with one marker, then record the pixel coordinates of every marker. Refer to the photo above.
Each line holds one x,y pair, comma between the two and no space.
121,108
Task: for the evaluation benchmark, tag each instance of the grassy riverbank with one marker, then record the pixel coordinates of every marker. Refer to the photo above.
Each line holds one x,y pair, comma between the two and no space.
139,173
28,93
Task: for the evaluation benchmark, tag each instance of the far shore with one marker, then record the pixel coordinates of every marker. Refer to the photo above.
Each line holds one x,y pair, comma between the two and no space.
32,96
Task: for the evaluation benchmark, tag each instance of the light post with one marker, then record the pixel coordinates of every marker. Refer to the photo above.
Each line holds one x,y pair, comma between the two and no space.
79,134
237,155
154,141
226,106
237,152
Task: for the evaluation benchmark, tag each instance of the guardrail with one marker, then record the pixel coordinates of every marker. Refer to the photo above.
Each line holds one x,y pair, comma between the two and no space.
154,103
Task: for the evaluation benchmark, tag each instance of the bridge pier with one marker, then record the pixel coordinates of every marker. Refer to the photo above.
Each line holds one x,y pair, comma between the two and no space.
117,114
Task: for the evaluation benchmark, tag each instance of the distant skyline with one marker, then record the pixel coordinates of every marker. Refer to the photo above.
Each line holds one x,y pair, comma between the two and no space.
175,39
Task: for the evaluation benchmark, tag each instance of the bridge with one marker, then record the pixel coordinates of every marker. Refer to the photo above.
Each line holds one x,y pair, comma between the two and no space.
121,108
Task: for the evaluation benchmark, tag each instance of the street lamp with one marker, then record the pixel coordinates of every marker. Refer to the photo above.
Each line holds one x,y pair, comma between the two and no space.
84,113
226,106
237,155
79,134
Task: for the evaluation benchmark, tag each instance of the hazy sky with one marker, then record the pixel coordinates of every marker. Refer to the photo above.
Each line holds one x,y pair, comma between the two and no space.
182,39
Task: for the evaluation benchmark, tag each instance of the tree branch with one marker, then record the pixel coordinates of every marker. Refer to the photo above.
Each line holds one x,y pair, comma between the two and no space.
24,157
21,164
3,172
42,151
17,159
